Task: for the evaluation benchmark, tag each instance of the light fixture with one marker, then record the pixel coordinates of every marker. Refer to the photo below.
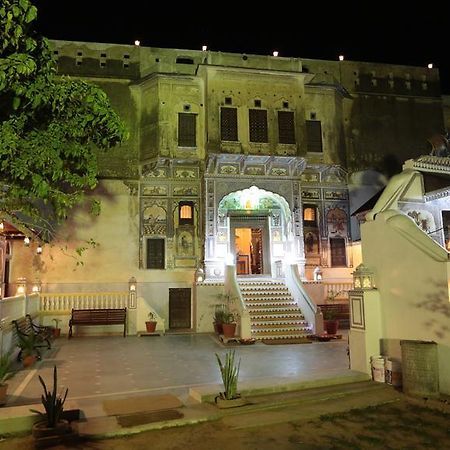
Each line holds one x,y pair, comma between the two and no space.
39,249
199,275
21,284
137,43
363,278
204,48
132,284
341,57
430,65
26,241
2,226
317,274
36,288
275,53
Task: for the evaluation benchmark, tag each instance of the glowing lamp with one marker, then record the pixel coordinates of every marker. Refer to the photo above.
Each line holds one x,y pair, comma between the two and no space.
430,66
137,43
204,48
317,274
2,226
26,241
132,284
363,278
39,249
275,53
199,275
37,285
21,284
341,57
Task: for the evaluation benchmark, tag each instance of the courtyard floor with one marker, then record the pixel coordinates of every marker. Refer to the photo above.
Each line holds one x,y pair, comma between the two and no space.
111,365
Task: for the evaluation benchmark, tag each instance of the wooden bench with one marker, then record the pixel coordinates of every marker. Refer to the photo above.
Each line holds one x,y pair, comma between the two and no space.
340,311
98,317
25,328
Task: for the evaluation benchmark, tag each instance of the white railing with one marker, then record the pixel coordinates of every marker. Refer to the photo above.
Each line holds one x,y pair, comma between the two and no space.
67,301
232,288
336,290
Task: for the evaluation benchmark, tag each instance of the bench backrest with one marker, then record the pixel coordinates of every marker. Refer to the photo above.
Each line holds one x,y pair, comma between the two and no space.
102,316
23,325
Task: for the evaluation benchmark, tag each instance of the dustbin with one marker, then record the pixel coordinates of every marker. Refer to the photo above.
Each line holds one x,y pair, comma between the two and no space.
420,368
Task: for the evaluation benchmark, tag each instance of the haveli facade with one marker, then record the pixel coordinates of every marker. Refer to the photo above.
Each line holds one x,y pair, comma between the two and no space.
257,158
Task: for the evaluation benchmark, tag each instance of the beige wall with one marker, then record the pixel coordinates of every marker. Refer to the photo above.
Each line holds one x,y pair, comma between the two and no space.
411,273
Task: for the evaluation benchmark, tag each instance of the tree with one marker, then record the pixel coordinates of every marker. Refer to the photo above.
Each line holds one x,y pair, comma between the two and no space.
50,126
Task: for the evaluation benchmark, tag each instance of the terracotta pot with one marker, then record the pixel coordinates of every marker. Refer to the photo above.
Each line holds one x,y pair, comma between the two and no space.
28,360
151,327
331,326
229,329
218,328
56,332
3,390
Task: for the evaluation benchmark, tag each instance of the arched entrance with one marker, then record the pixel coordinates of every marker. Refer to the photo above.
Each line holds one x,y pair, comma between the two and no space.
254,230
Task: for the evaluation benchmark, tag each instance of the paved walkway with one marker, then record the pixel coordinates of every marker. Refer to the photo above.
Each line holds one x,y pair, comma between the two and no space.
103,366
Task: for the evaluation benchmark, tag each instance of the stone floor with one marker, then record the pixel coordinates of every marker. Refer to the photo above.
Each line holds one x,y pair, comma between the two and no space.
104,366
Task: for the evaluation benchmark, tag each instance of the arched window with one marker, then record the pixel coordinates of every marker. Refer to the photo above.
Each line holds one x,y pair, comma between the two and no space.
186,213
310,215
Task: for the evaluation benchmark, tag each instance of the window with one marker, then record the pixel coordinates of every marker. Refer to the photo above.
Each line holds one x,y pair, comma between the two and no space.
228,124
186,213
228,101
187,130
182,60
258,125
155,253
314,136
337,248
257,103
286,127
309,215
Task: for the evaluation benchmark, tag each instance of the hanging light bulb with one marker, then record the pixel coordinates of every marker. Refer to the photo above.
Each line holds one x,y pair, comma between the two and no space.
2,226
39,249
26,241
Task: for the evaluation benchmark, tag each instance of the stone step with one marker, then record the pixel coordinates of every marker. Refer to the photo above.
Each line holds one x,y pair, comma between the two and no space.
271,304
276,315
266,296
274,310
278,327
278,320
279,335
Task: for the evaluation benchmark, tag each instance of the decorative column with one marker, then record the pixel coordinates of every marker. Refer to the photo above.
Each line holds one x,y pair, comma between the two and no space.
365,320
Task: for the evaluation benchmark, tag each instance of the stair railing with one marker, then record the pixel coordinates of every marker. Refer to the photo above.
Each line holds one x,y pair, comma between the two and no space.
310,311
233,290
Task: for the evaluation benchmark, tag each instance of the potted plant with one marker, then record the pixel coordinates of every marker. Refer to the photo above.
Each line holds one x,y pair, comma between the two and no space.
229,370
227,317
5,373
56,331
150,324
219,314
52,428
330,323
228,325
28,352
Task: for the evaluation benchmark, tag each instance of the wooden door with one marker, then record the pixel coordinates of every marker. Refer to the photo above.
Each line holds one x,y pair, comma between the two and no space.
179,308
338,256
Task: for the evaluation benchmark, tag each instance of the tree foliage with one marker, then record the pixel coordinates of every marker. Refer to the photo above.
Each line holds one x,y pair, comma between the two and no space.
50,126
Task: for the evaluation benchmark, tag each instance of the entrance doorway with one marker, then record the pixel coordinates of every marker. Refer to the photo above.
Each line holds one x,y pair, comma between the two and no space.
249,251
179,308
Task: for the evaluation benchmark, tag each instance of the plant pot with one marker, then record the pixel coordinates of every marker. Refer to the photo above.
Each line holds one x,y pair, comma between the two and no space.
28,360
3,390
229,329
223,403
331,326
151,327
41,430
218,328
56,332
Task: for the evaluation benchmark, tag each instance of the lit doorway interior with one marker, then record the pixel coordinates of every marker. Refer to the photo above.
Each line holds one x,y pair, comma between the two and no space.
249,251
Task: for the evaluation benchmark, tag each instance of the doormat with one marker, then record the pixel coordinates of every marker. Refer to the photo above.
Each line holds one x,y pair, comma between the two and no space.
147,403
287,341
132,420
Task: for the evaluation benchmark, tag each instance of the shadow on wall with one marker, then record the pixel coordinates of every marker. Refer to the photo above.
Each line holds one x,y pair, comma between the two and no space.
437,302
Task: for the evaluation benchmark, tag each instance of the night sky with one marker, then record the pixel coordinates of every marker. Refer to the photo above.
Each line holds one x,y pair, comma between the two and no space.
365,31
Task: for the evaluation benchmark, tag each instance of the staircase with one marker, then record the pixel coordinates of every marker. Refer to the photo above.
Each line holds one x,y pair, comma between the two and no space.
273,312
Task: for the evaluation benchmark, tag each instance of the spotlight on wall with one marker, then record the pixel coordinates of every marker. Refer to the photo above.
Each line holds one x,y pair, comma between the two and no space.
39,249
341,57
430,65
137,43
275,53
26,241
204,48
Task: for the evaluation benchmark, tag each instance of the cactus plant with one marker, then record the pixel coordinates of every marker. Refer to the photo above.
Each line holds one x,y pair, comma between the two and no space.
53,403
230,373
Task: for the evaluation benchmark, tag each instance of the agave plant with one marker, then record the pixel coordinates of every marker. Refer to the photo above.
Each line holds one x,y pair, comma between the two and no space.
230,373
53,403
